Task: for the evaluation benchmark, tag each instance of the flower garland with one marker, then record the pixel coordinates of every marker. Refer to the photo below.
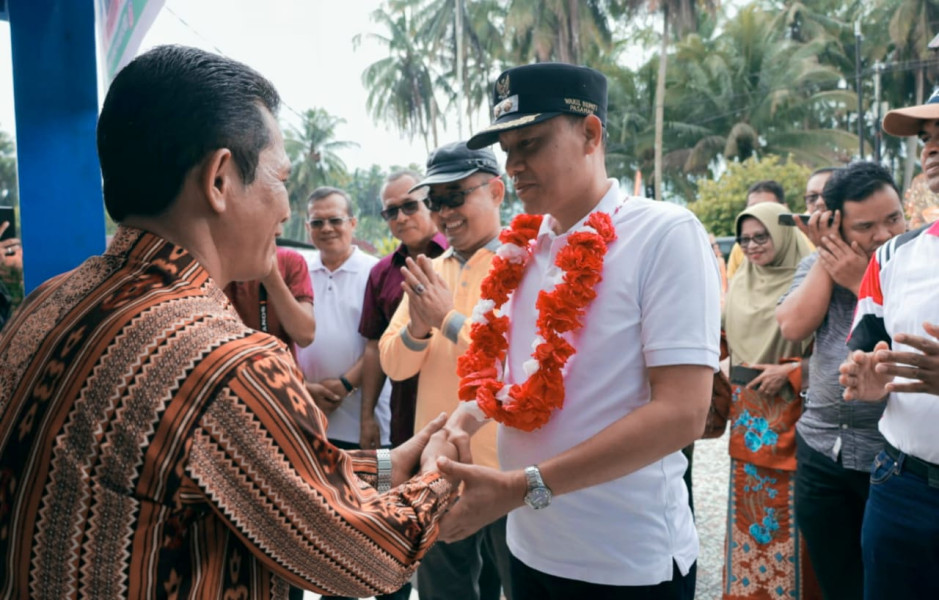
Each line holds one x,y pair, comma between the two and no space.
528,406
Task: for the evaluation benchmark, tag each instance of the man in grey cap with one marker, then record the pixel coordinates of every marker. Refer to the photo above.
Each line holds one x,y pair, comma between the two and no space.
430,330
614,324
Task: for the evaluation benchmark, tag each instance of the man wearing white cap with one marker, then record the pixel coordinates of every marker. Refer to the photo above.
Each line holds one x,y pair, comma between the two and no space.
896,356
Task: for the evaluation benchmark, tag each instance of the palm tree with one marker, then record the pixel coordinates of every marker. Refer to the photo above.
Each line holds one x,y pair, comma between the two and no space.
313,153
751,91
464,43
910,28
679,17
561,30
401,87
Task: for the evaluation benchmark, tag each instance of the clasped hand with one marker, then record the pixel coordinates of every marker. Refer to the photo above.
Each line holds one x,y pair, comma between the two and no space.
421,453
870,375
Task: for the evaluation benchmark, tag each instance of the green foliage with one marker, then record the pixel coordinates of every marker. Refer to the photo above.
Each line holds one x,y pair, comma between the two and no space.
9,195
719,202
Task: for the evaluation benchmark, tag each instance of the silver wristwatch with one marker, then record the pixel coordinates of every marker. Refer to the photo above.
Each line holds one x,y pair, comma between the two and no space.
539,495
384,470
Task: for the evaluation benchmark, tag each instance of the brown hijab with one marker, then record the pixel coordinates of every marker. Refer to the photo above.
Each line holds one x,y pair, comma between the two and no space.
750,308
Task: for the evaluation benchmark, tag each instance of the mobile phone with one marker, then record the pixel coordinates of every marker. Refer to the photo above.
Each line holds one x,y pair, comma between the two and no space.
789,219
741,375
6,214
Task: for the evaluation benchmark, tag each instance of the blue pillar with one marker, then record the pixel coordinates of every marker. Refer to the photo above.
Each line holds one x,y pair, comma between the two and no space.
56,94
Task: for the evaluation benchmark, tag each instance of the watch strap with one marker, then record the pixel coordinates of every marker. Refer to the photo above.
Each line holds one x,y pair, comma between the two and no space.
384,470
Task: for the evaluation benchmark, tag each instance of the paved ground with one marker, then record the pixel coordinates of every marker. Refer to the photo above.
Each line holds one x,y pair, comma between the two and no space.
710,474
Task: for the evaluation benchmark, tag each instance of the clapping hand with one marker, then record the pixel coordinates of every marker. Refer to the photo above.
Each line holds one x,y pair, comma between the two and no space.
429,298
870,375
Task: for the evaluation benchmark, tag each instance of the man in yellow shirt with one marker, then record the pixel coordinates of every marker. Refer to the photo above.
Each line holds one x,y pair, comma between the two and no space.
430,330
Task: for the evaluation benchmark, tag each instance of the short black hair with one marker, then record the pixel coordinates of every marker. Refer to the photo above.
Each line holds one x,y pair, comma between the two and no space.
855,183
165,112
771,186
823,170
326,191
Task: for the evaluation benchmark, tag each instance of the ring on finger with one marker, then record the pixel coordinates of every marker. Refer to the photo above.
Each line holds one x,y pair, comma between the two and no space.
419,289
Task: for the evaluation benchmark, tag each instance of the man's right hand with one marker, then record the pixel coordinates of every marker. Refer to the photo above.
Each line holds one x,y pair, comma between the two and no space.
421,451
818,226
325,399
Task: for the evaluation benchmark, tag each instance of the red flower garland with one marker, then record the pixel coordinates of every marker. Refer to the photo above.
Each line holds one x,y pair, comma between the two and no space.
528,406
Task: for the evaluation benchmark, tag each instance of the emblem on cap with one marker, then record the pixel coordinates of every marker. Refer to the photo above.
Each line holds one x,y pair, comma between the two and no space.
502,87
508,105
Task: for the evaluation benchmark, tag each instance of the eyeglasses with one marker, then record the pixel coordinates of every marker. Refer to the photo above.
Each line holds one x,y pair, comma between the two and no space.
812,198
333,222
759,239
408,208
454,199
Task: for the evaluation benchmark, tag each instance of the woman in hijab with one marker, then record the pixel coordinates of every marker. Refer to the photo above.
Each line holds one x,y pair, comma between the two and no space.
763,554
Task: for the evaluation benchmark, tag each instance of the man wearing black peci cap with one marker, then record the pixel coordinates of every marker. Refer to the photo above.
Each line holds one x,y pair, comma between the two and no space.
430,330
612,339
895,338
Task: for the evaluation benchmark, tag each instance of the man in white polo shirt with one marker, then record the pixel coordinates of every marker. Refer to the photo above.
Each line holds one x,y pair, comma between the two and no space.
332,364
589,441
896,356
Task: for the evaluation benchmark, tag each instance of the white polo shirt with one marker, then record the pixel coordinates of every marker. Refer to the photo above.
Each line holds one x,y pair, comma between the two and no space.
658,305
337,306
899,292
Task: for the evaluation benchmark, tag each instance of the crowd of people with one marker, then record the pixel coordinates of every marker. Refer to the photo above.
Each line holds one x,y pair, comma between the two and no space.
502,408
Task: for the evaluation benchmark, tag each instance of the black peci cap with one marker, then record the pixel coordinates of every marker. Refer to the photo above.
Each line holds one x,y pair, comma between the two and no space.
531,94
454,161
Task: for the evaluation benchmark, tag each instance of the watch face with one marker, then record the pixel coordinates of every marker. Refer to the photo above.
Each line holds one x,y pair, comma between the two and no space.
538,497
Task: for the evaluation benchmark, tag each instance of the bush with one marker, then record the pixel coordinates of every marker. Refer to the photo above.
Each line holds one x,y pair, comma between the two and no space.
719,202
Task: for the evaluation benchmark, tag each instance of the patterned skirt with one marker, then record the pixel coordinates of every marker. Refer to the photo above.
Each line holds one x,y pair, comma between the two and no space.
764,555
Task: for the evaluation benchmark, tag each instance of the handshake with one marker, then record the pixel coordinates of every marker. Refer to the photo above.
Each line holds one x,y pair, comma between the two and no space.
420,454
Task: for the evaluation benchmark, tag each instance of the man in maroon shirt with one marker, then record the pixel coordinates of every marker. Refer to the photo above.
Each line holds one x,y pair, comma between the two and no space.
410,222
280,304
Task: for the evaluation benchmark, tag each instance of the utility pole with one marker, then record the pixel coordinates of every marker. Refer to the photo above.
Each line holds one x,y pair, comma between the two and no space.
458,26
857,77
878,133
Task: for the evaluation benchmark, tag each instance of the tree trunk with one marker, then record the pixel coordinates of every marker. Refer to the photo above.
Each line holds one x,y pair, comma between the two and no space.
912,156
460,63
660,103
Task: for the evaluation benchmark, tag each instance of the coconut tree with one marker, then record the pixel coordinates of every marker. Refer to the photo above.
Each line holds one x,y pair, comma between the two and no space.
560,30
401,87
313,150
464,42
679,17
753,91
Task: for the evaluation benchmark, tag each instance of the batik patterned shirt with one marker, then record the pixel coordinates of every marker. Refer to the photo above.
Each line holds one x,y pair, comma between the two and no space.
153,446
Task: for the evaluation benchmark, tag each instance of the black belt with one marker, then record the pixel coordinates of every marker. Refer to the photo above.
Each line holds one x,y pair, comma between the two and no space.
916,466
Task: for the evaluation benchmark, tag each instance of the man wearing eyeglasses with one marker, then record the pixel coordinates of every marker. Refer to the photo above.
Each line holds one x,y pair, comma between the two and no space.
430,330
332,364
410,222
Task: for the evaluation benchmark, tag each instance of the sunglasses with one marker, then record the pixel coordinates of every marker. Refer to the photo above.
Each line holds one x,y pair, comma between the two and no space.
453,199
759,239
334,222
408,208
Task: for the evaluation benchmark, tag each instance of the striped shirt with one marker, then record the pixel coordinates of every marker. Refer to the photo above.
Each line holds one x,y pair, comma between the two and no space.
899,292
153,446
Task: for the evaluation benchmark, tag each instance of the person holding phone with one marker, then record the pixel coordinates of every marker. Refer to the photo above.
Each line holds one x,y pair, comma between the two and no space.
837,440
766,376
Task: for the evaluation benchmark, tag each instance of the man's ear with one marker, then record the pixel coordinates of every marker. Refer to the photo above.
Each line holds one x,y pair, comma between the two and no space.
219,175
497,189
593,131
